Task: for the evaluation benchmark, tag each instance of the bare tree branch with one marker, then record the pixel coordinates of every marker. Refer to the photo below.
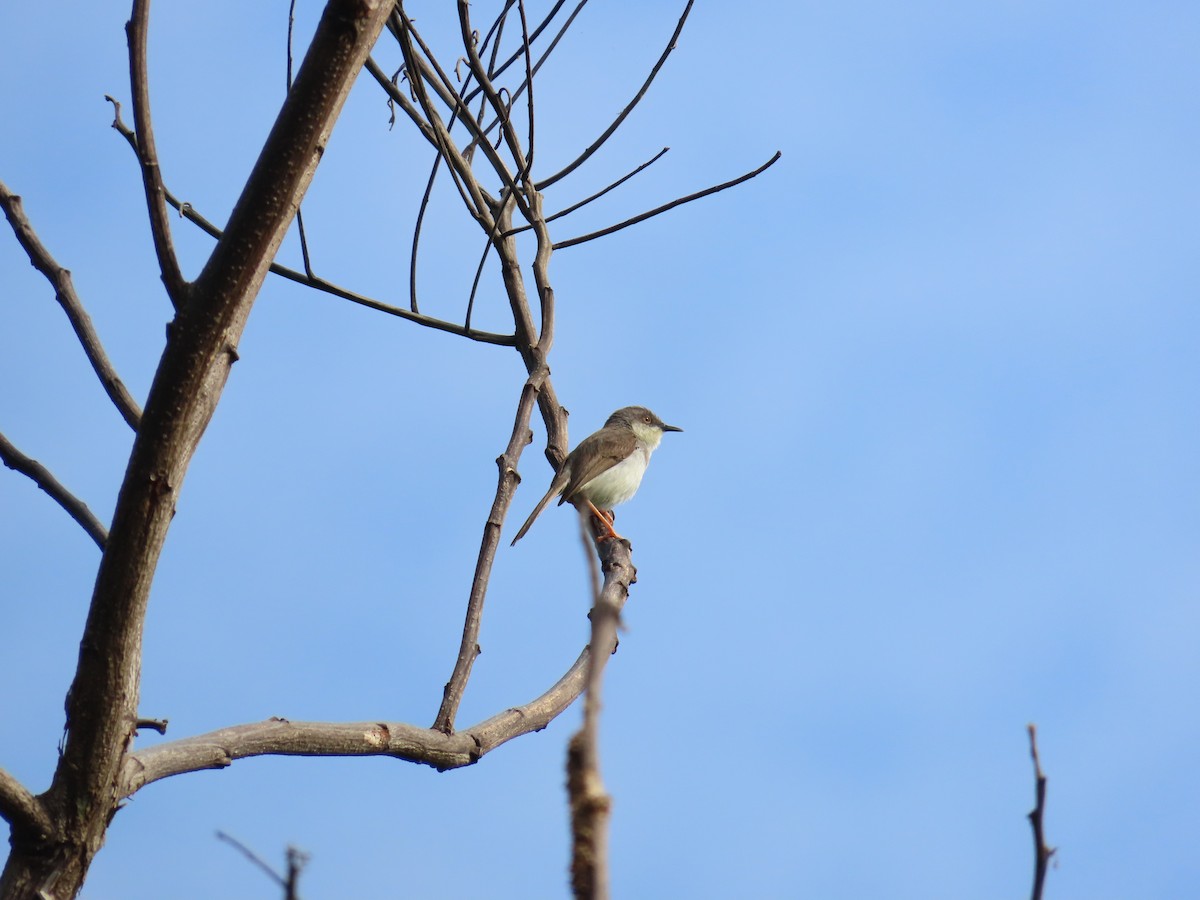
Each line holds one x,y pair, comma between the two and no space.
616,123
24,812
64,293
416,239
427,746
507,482
102,704
428,67
1041,852
190,213
498,106
533,347
495,72
44,478
590,803
160,226
257,860
584,238
296,861
523,175
600,193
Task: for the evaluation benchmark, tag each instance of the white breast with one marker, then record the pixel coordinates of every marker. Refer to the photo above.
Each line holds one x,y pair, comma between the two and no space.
618,484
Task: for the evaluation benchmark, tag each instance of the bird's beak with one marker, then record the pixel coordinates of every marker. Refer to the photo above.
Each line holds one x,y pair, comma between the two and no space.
672,428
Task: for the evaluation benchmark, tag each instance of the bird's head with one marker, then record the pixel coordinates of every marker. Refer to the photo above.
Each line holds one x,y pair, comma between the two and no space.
648,427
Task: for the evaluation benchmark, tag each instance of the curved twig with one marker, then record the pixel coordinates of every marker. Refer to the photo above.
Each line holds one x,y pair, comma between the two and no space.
44,478
160,227
416,240
487,249
495,72
428,67
596,196
616,123
64,293
520,89
583,238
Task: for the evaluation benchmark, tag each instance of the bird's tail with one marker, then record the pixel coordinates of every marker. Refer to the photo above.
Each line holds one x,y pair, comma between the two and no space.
550,495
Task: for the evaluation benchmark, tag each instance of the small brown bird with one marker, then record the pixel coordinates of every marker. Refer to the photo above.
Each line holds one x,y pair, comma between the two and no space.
607,466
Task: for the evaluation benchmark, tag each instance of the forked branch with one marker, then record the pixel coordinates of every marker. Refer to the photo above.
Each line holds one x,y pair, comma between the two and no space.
427,746
629,107
658,210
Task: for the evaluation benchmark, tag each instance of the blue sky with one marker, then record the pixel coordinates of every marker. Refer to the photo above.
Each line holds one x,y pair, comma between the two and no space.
938,375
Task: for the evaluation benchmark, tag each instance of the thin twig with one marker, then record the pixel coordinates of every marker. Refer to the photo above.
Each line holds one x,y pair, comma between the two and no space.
584,238
160,226
495,72
1042,853
43,478
419,75
523,175
64,293
190,213
253,857
506,486
596,196
616,123
498,105
520,89
487,249
416,239
450,96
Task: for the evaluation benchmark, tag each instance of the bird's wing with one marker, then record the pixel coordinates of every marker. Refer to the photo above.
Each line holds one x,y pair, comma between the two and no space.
614,450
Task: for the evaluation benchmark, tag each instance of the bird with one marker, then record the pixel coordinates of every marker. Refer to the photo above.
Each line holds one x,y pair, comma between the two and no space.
606,468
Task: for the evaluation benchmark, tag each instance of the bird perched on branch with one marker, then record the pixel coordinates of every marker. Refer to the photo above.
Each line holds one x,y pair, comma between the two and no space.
606,468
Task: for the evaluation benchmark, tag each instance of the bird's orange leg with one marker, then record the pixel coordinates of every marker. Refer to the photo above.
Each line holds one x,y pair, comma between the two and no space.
607,519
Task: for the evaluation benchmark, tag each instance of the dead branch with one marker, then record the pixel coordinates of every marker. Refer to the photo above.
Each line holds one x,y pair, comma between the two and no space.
591,806
427,746
520,88
201,347
160,226
296,861
584,238
44,478
189,212
506,486
498,106
1042,853
624,113
64,293
600,193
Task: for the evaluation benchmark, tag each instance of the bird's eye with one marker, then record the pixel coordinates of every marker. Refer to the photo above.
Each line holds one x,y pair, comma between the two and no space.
646,419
